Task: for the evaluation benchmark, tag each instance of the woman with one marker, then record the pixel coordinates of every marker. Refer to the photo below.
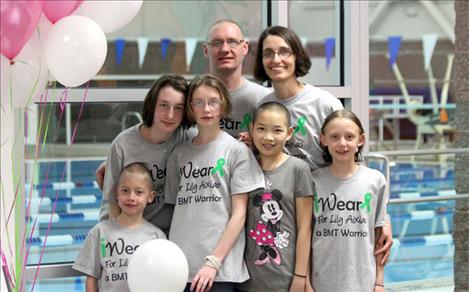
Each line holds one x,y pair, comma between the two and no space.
281,59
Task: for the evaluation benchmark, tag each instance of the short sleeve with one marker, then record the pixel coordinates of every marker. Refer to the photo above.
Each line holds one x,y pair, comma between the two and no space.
88,260
113,169
247,175
303,180
383,197
173,179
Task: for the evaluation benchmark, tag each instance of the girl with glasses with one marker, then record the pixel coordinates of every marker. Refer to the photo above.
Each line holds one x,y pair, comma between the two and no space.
207,181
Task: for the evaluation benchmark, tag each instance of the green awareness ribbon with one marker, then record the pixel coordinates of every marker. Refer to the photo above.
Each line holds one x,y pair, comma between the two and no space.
219,167
103,247
367,197
316,205
246,121
301,126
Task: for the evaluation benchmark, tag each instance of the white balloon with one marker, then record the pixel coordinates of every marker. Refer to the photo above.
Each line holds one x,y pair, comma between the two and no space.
158,265
26,77
75,50
110,15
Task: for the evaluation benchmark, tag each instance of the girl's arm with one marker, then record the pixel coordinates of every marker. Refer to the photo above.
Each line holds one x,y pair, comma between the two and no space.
385,242
304,215
91,284
204,278
379,282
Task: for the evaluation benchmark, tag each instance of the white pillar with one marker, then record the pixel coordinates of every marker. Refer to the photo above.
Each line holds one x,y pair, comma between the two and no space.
12,181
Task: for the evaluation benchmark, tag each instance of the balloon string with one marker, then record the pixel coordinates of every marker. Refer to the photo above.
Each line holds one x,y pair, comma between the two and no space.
36,81
43,103
6,269
6,225
25,260
79,114
35,167
57,193
48,229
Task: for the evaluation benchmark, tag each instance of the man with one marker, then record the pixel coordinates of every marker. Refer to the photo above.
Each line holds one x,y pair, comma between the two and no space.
225,50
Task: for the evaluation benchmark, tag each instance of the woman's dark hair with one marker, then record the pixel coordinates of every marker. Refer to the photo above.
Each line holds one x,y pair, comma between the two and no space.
302,61
175,81
215,83
344,114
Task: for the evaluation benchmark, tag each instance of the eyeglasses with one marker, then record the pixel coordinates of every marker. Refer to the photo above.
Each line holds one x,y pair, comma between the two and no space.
282,53
232,43
212,103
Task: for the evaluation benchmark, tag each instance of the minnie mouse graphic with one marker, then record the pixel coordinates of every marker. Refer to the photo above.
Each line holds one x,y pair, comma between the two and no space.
267,233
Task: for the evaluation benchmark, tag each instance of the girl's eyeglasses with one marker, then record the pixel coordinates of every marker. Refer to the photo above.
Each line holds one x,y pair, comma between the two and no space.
212,103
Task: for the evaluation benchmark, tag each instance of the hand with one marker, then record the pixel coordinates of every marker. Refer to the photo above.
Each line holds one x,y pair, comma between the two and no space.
383,242
297,285
99,174
203,280
308,287
378,289
281,240
246,139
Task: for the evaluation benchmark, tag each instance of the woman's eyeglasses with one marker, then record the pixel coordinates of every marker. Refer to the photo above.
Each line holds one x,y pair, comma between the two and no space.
283,53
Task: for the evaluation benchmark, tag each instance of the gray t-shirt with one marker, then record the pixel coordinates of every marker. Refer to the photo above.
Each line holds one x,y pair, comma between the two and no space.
346,212
271,226
130,146
243,101
108,249
308,109
200,182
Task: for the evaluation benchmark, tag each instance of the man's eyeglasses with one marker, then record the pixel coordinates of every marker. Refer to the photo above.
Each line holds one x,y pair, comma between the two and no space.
283,53
232,43
212,103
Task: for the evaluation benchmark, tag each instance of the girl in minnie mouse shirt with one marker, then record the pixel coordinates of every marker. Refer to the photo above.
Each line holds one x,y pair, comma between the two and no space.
207,181
278,229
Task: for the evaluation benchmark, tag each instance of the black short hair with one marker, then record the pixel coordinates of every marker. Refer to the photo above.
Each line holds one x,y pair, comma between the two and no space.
273,105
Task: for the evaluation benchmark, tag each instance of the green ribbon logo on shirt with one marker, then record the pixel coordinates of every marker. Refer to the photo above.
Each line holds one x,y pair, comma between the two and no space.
103,247
301,126
367,197
219,167
316,205
246,121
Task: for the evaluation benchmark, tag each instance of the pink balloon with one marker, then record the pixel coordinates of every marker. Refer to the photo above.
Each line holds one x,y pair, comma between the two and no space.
18,19
55,10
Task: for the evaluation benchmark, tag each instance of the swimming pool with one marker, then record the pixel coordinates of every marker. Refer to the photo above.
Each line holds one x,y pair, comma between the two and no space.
423,247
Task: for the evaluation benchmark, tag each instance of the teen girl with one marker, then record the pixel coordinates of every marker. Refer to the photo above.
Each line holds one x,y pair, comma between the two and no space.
279,217
349,210
151,142
208,180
